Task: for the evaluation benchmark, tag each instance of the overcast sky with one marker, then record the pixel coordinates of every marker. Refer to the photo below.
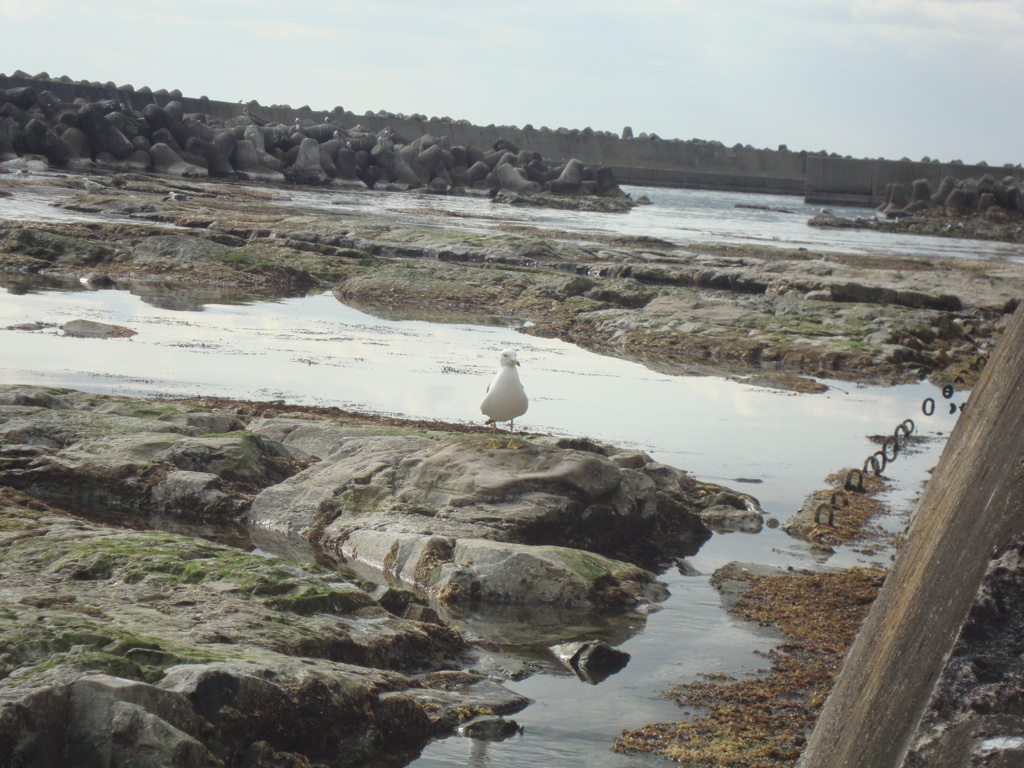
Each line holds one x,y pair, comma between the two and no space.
867,78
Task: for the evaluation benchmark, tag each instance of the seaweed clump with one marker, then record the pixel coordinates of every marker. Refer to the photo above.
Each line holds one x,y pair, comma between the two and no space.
764,721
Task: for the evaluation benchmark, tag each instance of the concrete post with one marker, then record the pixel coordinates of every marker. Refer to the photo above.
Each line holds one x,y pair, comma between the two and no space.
971,510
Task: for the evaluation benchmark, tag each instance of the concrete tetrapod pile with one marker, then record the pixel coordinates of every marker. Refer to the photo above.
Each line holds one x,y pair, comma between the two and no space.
108,134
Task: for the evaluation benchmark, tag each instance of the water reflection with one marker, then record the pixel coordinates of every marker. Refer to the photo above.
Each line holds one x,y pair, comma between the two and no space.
170,295
428,314
177,297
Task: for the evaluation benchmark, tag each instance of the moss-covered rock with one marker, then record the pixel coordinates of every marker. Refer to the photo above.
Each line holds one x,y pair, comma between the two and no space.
210,646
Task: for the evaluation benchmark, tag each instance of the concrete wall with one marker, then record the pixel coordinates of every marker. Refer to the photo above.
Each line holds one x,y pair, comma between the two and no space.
970,514
640,161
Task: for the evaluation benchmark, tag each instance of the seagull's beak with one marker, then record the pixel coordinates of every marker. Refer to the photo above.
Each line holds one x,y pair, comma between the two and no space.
516,362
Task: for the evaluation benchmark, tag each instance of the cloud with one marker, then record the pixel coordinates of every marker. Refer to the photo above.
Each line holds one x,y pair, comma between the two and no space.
13,10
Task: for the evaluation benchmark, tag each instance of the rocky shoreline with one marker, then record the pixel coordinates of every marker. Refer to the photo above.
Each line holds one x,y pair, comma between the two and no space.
128,632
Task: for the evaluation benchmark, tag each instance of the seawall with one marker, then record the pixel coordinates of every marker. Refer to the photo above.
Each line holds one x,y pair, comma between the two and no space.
641,161
966,533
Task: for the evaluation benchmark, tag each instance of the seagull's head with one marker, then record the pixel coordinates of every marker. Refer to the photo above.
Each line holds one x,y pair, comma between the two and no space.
508,357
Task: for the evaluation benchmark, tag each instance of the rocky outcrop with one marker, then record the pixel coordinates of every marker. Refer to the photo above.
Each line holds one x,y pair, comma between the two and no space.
145,648
114,457
136,644
466,524
557,523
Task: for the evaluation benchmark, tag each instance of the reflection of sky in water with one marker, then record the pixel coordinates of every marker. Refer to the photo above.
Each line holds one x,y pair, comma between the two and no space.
315,350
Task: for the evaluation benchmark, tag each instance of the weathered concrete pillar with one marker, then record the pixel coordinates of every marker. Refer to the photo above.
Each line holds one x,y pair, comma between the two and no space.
971,512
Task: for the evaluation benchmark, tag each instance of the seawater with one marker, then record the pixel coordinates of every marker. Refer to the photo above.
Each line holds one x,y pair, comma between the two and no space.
314,350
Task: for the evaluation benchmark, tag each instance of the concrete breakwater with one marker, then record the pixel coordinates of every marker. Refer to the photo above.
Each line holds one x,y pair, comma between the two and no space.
644,160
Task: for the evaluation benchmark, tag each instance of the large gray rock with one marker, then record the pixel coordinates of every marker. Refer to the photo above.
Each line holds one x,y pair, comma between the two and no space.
570,180
105,456
178,251
469,524
151,649
42,140
113,721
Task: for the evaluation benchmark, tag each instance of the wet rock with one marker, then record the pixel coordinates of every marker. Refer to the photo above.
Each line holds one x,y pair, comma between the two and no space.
197,493
724,518
90,329
593,661
454,697
468,525
97,280
113,721
490,572
489,728
733,579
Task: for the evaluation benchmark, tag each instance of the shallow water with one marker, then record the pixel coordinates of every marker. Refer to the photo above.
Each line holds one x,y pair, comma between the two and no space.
313,350
681,216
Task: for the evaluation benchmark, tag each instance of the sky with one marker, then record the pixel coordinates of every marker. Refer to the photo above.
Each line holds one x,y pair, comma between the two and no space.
942,79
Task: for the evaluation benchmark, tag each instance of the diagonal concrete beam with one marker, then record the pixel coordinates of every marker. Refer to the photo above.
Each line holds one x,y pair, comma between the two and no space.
971,510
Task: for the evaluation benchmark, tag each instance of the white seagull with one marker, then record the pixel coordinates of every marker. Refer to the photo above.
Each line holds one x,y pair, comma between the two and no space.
505,399
92,187
178,197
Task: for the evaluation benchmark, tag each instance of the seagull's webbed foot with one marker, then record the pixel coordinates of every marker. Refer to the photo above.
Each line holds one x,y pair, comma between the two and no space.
513,444
495,443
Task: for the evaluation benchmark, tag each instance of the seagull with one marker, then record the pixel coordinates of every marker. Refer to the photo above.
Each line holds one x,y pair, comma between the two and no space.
178,197
505,399
92,187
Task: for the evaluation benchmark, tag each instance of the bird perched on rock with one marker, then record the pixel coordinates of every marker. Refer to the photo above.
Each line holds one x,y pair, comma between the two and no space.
178,197
92,187
505,399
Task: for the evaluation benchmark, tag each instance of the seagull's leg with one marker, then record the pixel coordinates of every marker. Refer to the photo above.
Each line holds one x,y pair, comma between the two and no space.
494,436
512,434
